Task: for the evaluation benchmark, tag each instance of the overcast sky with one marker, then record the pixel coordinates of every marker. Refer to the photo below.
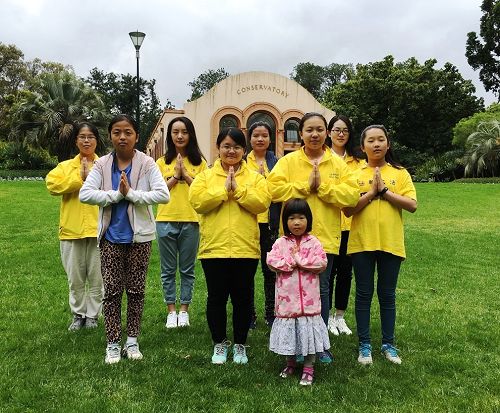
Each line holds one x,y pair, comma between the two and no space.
186,38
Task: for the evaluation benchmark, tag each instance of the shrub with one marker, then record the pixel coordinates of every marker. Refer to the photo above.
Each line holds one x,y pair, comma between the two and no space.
16,155
442,168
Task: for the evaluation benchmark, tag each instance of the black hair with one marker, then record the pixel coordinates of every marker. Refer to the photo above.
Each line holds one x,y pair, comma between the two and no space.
389,156
252,127
119,118
193,151
310,115
307,116
296,206
100,147
235,134
81,125
350,146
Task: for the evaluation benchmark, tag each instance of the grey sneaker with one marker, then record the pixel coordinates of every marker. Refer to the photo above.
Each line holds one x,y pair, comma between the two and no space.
112,353
77,323
131,351
90,322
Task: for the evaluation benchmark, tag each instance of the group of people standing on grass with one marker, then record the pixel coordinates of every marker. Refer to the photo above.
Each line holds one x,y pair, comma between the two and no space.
338,211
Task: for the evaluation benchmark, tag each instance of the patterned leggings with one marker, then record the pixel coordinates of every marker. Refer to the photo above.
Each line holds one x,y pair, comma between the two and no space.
123,267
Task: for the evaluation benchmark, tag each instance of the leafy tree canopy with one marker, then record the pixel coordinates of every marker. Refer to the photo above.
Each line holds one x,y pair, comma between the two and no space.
467,126
119,94
319,79
204,82
418,103
46,116
483,51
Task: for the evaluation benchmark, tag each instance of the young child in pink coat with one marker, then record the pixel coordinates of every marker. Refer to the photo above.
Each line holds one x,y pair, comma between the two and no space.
298,258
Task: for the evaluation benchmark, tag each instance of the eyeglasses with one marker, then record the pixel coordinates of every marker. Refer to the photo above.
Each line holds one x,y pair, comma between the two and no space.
235,148
86,137
337,131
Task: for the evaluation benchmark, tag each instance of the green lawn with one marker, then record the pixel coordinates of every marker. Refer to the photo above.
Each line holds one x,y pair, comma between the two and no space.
448,328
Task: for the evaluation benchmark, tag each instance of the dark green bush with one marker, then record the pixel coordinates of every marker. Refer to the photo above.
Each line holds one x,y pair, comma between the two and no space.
443,168
491,180
18,155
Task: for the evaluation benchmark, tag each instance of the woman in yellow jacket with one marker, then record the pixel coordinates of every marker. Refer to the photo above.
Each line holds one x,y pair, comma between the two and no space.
78,230
313,173
177,222
229,196
341,139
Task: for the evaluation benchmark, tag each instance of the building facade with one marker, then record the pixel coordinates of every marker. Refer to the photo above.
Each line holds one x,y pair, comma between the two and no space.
239,101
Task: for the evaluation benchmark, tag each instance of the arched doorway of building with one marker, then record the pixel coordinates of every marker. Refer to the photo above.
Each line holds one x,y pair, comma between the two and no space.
261,116
228,121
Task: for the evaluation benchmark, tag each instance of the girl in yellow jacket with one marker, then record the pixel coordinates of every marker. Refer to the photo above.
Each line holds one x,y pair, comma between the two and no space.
78,230
341,138
313,173
177,222
377,239
229,196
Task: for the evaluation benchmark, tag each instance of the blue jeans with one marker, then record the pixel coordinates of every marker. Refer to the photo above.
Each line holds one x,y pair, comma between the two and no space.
177,239
324,288
387,277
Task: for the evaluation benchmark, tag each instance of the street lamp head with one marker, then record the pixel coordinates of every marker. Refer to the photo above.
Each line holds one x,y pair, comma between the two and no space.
137,38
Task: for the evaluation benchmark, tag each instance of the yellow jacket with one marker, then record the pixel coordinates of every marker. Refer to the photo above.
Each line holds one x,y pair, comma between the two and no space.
338,189
178,209
228,225
76,220
353,164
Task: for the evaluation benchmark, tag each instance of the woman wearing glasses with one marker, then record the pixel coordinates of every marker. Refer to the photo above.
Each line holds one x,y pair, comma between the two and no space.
340,131
78,230
228,197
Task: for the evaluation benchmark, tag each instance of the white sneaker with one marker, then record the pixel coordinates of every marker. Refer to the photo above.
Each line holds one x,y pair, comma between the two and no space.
183,319
365,354
342,326
332,326
132,352
112,353
171,320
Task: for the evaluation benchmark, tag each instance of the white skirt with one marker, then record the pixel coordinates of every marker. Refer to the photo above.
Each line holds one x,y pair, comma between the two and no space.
299,336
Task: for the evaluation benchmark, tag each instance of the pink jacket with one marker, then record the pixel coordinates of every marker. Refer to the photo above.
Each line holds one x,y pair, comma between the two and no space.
297,281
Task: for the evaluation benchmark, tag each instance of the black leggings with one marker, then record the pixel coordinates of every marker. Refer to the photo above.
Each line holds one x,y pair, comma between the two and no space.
229,277
342,270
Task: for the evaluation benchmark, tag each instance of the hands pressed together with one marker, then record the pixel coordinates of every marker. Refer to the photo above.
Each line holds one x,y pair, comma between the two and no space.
315,177
230,183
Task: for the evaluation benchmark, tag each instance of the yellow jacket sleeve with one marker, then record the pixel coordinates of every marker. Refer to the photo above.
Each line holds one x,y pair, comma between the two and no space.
280,186
344,192
254,198
63,179
204,197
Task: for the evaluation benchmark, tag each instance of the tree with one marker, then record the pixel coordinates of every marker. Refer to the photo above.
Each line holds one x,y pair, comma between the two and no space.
119,93
485,55
319,79
46,116
206,81
419,104
483,156
467,126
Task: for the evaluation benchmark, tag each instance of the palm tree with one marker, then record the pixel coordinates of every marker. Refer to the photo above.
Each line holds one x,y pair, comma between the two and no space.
483,153
46,117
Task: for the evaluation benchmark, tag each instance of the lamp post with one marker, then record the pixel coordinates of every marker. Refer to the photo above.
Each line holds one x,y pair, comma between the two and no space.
137,38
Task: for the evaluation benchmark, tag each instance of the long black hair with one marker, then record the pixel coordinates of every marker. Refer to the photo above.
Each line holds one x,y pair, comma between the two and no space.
193,151
389,156
350,146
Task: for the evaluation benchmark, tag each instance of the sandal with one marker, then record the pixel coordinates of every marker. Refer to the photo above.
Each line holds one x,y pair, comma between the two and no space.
306,379
287,372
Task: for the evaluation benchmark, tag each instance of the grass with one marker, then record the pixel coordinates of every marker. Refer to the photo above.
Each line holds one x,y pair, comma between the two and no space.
447,328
